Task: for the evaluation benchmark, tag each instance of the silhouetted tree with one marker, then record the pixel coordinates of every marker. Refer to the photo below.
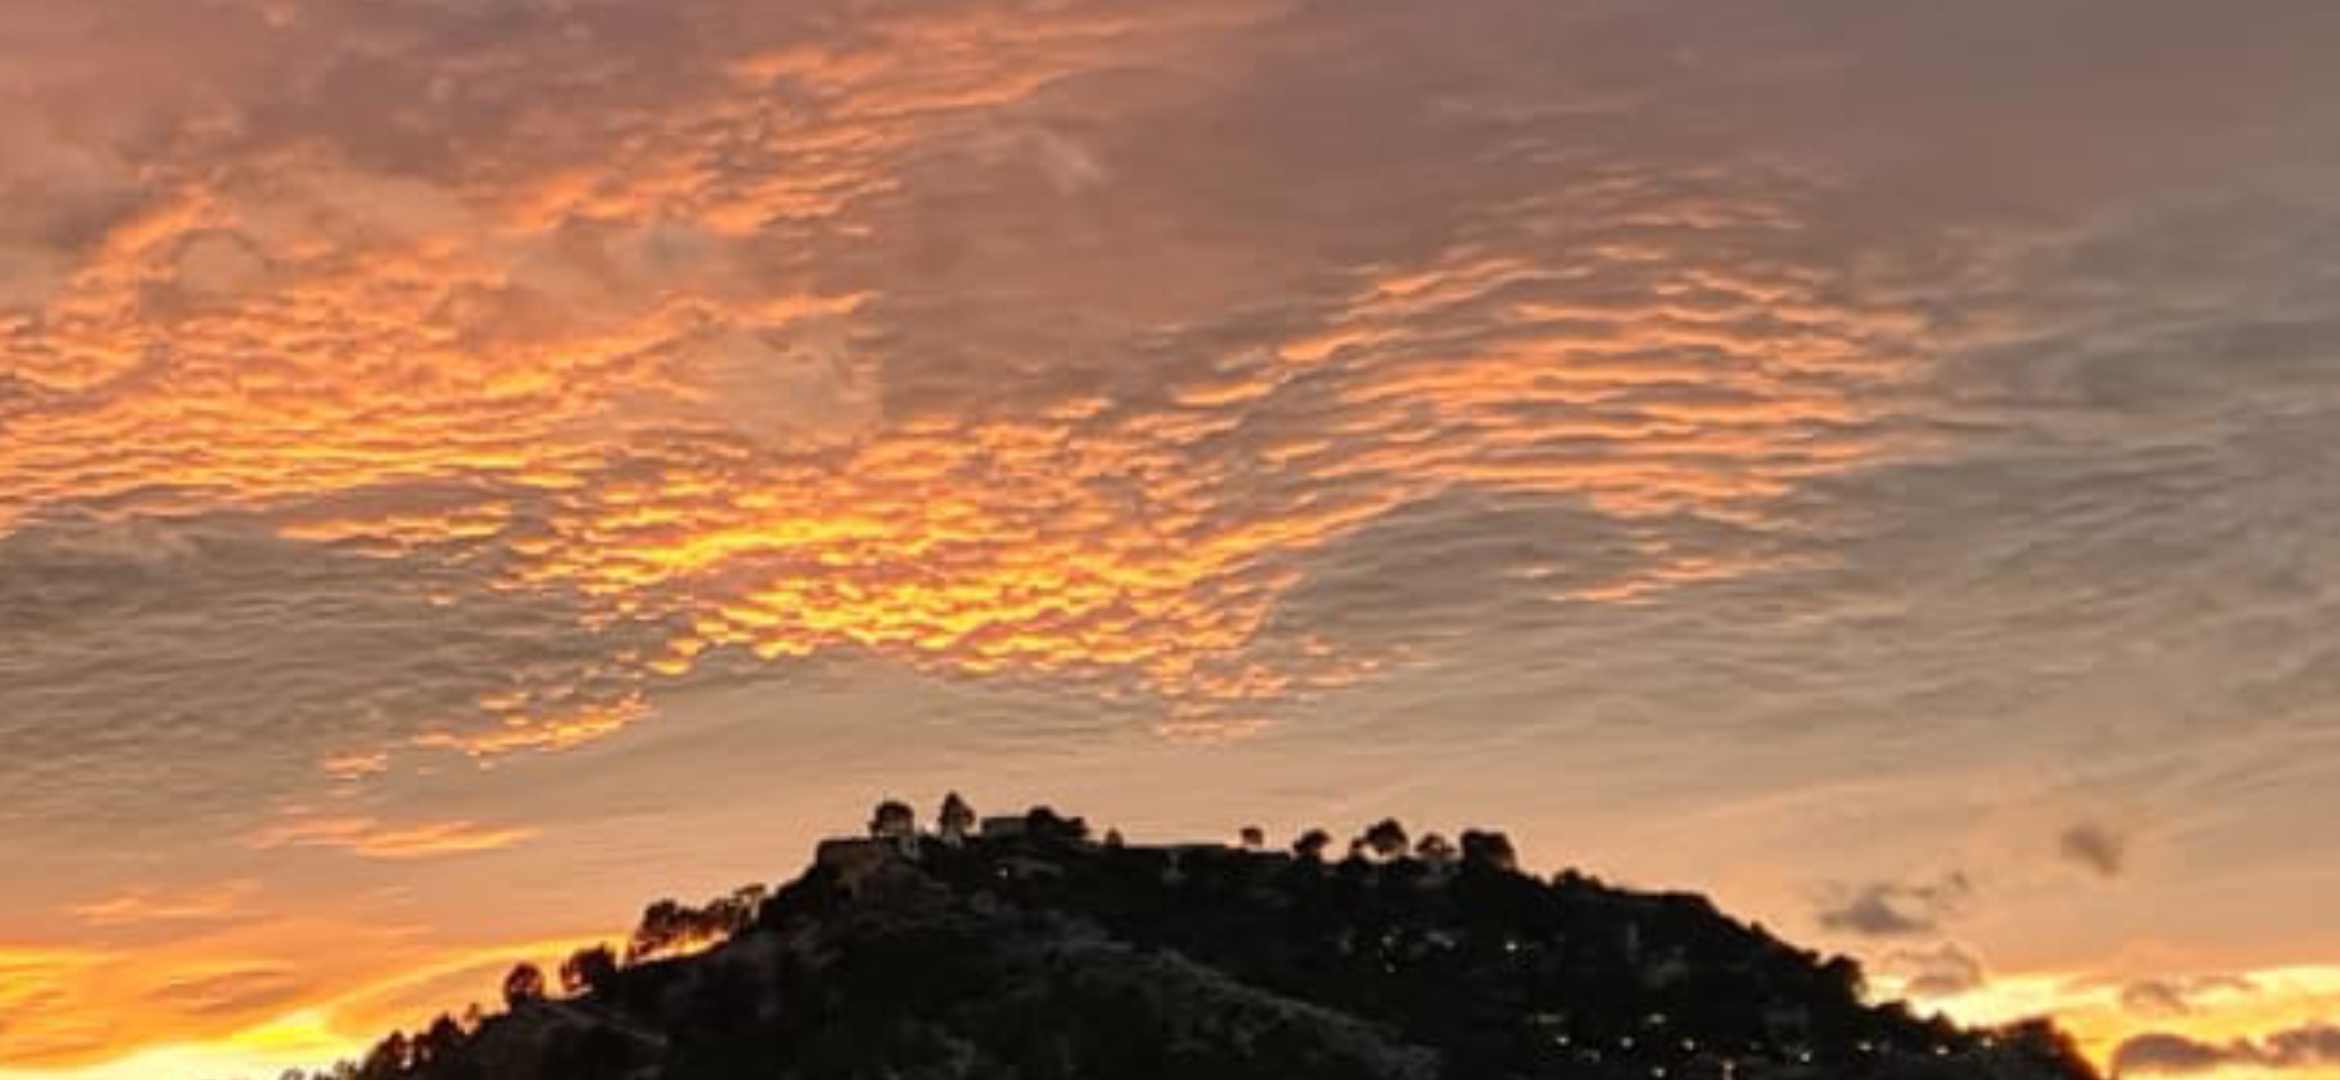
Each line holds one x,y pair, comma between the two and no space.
524,985
668,926
1845,972
1386,839
957,819
1254,838
1488,851
1434,849
737,912
1311,844
893,820
663,923
387,1059
438,1044
1043,823
589,970
2043,1041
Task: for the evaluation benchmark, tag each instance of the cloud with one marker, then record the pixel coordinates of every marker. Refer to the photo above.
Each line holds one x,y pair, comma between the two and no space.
2165,998
1894,909
2308,1046
242,992
770,347
2094,847
308,987
236,660
2154,997
399,387
373,839
699,393
148,905
2164,1053
1945,971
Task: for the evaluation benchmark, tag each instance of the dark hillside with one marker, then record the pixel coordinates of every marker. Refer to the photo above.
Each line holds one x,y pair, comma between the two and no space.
1026,949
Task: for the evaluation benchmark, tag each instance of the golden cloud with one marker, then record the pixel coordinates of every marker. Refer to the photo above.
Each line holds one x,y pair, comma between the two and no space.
149,904
724,448
374,839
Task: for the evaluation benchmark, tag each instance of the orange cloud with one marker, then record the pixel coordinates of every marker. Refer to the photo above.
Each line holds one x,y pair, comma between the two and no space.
2092,1007
993,339
373,839
297,993
707,450
149,904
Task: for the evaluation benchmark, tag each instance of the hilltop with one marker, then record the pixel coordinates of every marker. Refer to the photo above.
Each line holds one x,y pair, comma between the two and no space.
1026,948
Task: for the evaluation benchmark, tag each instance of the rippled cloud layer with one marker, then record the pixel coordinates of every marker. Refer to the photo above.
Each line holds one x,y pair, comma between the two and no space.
996,338
394,394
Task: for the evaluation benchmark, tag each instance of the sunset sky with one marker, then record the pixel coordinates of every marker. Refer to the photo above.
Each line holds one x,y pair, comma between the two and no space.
469,468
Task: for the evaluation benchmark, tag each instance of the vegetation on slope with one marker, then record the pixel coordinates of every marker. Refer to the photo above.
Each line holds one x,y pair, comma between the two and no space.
1024,948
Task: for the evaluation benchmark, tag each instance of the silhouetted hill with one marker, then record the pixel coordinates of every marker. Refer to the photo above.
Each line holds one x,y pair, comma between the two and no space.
1024,949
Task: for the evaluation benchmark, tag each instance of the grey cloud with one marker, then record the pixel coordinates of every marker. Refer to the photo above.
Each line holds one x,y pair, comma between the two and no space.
1464,558
2163,998
2094,847
1947,970
2306,1047
164,675
2153,997
66,197
1896,909
2159,1052
216,264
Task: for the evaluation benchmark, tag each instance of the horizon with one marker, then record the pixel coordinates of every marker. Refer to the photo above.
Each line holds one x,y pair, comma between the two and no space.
470,468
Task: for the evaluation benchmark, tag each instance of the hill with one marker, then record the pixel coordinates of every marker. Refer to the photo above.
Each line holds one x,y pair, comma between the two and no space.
1023,948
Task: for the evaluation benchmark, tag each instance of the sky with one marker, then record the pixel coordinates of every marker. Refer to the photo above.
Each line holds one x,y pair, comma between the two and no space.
469,468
